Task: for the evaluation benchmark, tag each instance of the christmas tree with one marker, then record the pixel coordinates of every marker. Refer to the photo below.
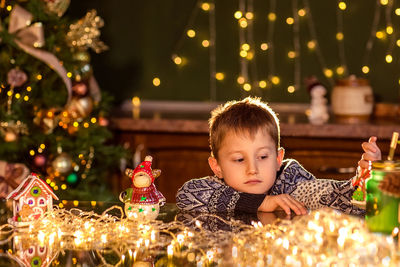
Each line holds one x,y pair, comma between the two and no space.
52,112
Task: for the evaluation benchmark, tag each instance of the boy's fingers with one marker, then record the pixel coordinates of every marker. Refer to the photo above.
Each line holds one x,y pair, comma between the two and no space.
369,147
295,205
372,139
284,205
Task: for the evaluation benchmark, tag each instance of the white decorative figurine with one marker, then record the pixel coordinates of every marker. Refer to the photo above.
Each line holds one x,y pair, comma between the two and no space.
142,200
318,108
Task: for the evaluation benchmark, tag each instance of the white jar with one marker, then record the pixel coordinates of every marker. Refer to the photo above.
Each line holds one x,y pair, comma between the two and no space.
352,100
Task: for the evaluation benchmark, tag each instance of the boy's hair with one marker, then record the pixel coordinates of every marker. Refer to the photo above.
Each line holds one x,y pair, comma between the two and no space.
245,116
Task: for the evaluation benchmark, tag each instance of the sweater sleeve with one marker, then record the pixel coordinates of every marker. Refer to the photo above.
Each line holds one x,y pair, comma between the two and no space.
210,195
316,193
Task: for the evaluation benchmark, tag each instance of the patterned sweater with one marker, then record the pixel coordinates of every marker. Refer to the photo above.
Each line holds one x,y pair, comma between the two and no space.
211,194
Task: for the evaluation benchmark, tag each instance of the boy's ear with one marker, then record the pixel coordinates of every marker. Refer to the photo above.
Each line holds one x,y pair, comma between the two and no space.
215,167
280,156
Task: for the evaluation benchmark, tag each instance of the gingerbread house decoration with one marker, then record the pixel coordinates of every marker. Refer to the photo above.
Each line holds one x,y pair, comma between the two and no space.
27,253
31,199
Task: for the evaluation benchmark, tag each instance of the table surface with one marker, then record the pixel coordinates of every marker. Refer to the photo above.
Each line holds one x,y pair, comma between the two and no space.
21,248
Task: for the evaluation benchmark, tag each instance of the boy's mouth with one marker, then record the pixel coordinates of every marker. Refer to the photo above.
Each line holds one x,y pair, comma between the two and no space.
253,181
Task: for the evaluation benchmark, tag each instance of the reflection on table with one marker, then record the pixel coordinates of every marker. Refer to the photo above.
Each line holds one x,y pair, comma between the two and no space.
97,234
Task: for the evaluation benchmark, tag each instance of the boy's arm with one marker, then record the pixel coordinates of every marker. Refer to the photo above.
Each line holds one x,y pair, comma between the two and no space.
209,195
327,193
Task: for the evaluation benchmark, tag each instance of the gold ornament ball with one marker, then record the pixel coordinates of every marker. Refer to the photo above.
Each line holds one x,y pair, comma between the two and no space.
62,163
81,107
10,136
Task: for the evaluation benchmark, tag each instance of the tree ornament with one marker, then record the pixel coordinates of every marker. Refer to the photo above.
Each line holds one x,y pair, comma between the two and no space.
103,121
80,107
142,200
10,136
80,89
39,160
81,56
57,7
11,130
16,77
72,179
47,120
318,108
85,33
62,163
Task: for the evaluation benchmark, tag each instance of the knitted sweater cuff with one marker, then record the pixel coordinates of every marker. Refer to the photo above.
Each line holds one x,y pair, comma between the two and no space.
249,202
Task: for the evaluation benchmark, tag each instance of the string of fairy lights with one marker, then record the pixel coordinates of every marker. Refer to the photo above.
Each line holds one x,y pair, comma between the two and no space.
247,76
321,238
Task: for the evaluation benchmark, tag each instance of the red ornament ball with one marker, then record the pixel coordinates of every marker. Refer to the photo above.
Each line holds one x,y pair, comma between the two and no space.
80,89
103,121
39,160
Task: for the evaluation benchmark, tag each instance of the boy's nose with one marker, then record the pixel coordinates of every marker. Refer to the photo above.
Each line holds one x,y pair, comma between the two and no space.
252,167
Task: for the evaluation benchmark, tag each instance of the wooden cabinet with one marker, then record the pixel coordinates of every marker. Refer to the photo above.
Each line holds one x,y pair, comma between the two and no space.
180,148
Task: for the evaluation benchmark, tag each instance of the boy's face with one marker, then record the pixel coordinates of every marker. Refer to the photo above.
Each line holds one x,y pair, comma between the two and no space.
248,164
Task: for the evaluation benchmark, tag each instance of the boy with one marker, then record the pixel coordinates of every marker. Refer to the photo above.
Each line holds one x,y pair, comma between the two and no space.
251,174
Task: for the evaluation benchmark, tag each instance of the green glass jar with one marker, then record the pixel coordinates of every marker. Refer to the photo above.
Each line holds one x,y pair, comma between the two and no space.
383,197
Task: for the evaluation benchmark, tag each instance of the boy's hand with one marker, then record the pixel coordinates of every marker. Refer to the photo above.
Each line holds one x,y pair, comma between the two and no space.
371,153
283,201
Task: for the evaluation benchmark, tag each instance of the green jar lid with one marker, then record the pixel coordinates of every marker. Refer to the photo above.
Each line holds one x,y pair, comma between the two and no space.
388,165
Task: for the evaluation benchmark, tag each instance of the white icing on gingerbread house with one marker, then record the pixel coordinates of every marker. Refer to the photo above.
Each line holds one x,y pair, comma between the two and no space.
31,199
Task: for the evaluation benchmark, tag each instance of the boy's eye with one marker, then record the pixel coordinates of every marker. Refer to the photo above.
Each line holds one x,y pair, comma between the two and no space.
239,160
263,157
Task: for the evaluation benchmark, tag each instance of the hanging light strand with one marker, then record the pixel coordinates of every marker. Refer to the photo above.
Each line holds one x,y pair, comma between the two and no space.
244,71
342,54
296,44
270,36
370,43
252,56
213,53
311,27
389,30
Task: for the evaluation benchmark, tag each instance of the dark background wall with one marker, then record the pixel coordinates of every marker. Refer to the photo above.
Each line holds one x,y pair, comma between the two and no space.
142,36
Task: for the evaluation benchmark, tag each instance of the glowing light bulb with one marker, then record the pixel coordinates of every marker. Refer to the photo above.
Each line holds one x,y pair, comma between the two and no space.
397,11
243,53
205,43
291,89
69,74
380,35
290,20
219,76
238,15
156,81
240,80
342,5
311,44
275,80
291,54
384,2
246,87
250,55
389,30
398,42
243,22
177,60
264,46
328,73
339,36
39,77
249,15
205,6
262,84
389,58
246,47
340,70
191,33
302,12
272,16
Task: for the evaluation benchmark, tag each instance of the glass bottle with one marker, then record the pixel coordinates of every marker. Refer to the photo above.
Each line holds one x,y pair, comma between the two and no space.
383,198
